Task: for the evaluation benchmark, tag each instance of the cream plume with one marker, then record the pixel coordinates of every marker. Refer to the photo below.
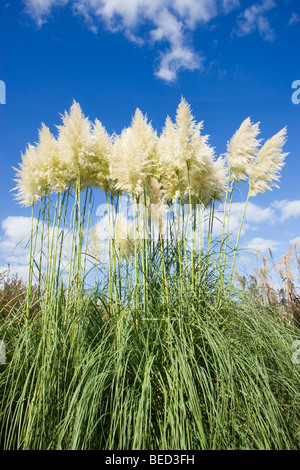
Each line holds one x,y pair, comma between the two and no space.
171,175
28,187
241,150
42,170
219,179
75,144
264,172
134,156
54,172
180,163
186,159
99,159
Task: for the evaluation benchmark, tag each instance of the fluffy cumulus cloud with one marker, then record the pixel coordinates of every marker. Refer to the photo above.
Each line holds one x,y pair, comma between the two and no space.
14,243
262,245
256,216
166,24
287,209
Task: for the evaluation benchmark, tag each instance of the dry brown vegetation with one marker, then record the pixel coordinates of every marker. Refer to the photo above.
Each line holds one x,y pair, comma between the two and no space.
277,284
13,294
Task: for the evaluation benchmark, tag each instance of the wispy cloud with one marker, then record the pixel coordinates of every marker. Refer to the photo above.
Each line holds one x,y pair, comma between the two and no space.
255,18
40,10
296,241
294,19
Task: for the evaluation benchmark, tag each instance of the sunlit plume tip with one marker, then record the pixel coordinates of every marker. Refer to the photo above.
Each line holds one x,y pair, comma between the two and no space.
265,170
133,157
241,150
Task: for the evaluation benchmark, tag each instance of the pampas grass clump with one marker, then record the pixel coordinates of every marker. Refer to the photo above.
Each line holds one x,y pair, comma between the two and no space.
140,339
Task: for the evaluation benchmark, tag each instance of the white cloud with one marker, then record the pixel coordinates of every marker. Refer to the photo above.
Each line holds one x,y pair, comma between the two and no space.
16,228
229,5
170,22
294,19
255,215
176,59
262,245
254,19
166,23
295,241
15,246
40,10
287,209
20,270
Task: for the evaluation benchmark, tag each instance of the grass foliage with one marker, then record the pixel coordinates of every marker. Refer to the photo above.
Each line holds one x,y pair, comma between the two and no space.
188,375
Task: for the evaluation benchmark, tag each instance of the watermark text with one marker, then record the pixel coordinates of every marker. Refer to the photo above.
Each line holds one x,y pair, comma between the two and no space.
2,353
296,94
2,92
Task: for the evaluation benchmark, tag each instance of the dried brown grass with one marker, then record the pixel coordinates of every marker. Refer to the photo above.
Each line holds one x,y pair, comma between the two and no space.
13,295
277,284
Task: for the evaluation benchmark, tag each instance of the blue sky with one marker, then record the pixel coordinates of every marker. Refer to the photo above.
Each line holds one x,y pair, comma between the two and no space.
229,59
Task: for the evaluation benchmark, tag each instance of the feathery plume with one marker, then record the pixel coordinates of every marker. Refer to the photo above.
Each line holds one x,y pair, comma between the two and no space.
54,172
42,170
219,178
264,172
134,156
75,144
241,150
172,176
28,187
98,160
207,175
186,158
177,151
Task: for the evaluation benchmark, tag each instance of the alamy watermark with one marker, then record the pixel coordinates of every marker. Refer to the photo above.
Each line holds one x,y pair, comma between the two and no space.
296,94
2,353
2,92
138,221
296,354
